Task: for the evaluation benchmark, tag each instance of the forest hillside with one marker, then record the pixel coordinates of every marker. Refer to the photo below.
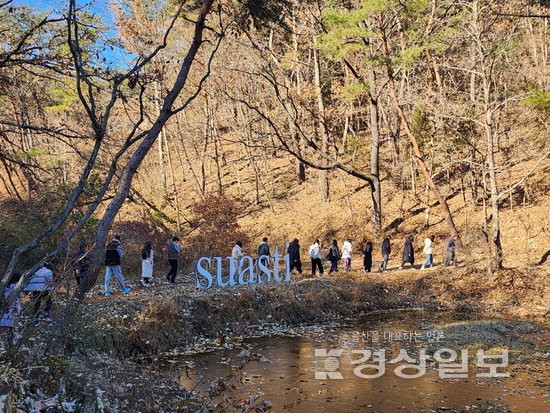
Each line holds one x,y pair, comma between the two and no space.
310,120
137,136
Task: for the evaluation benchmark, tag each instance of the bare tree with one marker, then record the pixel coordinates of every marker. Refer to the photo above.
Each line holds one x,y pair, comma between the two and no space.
99,120
166,112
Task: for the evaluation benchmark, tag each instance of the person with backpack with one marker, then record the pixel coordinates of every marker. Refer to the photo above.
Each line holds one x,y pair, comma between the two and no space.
333,255
428,250
172,253
40,287
147,257
113,254
81,264
315,255
408,252
293,252
386,250
367,257
263,248
346,254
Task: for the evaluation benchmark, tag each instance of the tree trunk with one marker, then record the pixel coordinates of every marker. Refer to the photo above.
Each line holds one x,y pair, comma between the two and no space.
160,149
173,182
496,246
487,67
300,167
375,165
218,167
323,174
416,149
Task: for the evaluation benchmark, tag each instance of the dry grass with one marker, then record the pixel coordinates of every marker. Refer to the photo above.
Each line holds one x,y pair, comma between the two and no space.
179,314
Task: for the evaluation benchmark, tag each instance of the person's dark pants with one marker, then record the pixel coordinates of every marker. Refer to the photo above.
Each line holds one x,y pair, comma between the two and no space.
367,265
316,263
80,276
333,267
451,257
407,262
296,264
347,264
37,297
384,264
171,276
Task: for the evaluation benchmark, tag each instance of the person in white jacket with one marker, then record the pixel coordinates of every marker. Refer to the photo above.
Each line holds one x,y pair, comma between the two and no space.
428,250
40,287
315,255
346,254
237,254
147,259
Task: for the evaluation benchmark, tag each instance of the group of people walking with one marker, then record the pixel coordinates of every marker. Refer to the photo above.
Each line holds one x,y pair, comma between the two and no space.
334,254
114,252
113,257
40,285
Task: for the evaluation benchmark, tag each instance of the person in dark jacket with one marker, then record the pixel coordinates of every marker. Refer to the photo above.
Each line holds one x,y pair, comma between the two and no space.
113,254
173,252
263,248
293,252
333,255
451,247
386,250
408,252
81,264
367,256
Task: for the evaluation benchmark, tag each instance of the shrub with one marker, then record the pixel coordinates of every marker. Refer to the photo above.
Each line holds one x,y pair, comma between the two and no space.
216,218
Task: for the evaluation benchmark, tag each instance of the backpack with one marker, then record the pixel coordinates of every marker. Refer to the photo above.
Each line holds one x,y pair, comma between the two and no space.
332,256
263,249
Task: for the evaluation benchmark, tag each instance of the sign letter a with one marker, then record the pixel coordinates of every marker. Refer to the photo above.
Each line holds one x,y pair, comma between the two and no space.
248,268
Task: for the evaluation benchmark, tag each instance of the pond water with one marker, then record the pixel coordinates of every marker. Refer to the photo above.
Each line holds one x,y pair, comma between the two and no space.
289,381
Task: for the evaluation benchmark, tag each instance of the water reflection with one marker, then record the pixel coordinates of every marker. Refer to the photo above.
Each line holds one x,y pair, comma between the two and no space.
289,381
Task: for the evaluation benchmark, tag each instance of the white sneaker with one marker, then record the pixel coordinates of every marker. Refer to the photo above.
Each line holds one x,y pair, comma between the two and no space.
143,282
